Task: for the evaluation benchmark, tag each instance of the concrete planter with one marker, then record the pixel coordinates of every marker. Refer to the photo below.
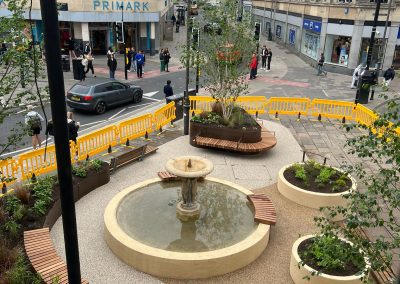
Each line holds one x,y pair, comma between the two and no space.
313,199
298,274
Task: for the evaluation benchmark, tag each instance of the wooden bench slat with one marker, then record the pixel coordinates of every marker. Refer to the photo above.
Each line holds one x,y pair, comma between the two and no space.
264,209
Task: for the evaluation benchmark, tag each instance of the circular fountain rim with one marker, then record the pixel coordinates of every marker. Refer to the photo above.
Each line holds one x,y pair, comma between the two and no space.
113,232
209,167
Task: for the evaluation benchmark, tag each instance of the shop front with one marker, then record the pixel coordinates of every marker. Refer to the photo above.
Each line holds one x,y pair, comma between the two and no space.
337,49
292,36
311,38
396,56
378,44
280,30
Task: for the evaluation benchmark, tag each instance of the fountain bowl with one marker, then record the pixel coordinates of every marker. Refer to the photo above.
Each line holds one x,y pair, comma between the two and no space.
200,166
180,265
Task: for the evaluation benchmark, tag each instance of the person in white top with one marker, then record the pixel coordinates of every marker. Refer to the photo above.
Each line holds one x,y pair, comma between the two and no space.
356,75
34,122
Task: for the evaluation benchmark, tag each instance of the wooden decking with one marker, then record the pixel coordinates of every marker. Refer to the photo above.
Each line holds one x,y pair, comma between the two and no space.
166,176
268,141
264,209
43,257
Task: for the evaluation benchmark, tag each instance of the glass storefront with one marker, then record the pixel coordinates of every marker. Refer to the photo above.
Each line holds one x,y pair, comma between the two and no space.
364,51
337,49
396,57
310,44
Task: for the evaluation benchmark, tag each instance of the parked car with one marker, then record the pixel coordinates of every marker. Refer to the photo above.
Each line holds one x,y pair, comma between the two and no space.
212,28
98,94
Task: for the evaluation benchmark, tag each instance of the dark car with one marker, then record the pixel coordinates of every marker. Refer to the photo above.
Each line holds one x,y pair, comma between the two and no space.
212,28
98,94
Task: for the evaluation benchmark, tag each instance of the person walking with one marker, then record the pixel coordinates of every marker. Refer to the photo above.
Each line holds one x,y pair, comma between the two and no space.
112,65
88,49
320,65
89,66
253,66
264,52
269,58
173,18
162,62
139,64
110,52
34,122
168,91
72,127
133,59
71,48
388,76
356,76
167,57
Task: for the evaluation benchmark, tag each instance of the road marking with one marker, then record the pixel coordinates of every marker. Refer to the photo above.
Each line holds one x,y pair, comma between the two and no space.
25,149
325,93
122,110
150,94
140,105
91,123
153,99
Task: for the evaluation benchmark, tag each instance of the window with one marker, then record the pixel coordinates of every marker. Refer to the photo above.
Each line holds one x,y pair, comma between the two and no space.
310,44
337,49
80,89
375,51
117,86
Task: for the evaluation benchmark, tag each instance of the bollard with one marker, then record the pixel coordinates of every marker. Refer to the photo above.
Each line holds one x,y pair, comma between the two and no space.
256,113
298,116
325,160
4,188
304,156
193,114
87,157
127,142
160,129
344,119
146,136
276,114
33,178
319,117
109,150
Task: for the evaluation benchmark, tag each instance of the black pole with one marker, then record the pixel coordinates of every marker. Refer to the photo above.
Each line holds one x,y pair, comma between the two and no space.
59,115
197,62
186,105
123,36
372,39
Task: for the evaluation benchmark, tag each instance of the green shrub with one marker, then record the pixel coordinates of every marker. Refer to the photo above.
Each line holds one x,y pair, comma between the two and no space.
12,204
325,175
82,168
12,228
20,273
43,195
300,172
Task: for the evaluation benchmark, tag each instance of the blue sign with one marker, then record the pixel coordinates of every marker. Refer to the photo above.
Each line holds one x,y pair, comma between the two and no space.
292,37
313,26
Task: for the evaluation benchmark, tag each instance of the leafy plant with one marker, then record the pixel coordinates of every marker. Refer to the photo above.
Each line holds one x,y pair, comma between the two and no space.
20,273
43,195
300,172
82,168
12,228
325,175
22,193
12,204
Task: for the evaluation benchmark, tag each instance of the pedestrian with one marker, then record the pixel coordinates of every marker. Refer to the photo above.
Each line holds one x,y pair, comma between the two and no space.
112,65
264,52
88,49
81,69
167,57
89,66
34,122
71,47
162,62
73,127
356,75
133,55
129,59
173,18
320,65
388,76
144,60
139,64
253,66
269,58
110,51
168,91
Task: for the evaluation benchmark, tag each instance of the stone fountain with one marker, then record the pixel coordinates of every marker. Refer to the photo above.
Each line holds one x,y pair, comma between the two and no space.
189,169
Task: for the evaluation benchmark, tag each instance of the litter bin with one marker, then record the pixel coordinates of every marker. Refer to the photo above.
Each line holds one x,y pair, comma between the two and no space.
77,69
65,63
367,79
178,99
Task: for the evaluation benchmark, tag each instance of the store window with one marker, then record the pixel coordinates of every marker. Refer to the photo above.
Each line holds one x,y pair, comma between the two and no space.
364,51
310,44
337,49
396,57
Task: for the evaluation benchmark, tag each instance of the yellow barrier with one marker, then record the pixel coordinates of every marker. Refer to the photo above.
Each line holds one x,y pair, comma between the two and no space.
96,142
252,104
8,170
332,109
34,162
164,115
294,106
135,127
200,104
364,115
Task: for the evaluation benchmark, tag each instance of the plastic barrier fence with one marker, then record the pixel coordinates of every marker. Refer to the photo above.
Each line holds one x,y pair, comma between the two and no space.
292,106
332,109
252,104
200,104
164,115
135,128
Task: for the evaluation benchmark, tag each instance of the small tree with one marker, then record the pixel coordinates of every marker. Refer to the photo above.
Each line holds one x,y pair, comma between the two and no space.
19,66
376,204
224,54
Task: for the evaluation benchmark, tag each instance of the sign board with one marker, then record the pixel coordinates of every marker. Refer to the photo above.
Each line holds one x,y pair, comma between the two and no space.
313,26
292,36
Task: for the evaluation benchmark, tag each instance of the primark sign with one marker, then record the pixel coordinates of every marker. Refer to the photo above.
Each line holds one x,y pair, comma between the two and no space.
129,6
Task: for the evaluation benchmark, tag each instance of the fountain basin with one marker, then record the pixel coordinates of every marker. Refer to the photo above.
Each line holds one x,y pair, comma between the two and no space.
175,264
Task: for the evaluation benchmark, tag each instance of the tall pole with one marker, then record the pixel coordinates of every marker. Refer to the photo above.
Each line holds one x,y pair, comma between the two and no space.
186,104
372,40
59,114
383,53
197,62
123,36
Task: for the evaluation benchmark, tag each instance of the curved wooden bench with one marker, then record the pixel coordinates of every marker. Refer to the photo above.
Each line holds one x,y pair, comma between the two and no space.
264,209
268,141
44,258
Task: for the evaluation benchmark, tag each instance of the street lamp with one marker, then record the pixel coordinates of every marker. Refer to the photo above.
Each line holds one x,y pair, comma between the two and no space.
123,40
186,103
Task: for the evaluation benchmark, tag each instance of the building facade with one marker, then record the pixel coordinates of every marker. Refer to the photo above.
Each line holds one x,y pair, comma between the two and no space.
94,21
341,30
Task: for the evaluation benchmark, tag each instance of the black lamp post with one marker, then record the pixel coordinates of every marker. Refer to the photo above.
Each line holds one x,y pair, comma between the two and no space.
186,103
59,111
123,37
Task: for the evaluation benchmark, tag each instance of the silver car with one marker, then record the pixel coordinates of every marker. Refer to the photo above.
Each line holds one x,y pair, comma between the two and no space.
99,94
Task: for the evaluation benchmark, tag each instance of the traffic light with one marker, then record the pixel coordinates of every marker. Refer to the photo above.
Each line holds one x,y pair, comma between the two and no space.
257,28
119,31
195,37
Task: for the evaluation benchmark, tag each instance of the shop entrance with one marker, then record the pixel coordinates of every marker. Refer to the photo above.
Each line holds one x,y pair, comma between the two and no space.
99,41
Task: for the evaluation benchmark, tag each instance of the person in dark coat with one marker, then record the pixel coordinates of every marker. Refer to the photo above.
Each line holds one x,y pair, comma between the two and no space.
71,47
112,65
264,52
269,58
320,65
388,76
162,61
167,57
73,127
173,18
139,64
168,91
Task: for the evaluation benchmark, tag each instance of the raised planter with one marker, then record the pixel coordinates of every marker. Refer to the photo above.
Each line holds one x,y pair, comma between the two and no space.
313,199
251,134
298,272
81,187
